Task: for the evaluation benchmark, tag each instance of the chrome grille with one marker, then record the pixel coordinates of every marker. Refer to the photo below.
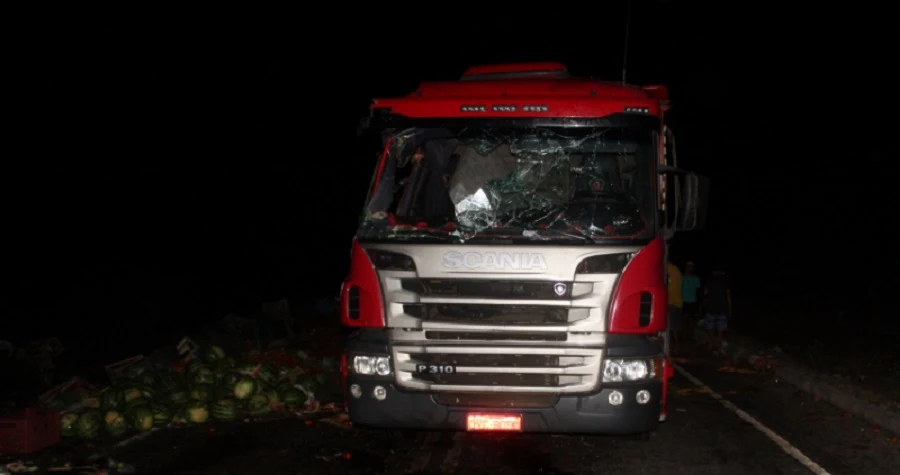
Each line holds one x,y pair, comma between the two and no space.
500,369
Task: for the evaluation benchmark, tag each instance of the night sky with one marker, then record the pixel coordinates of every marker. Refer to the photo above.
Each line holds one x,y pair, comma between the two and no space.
180,169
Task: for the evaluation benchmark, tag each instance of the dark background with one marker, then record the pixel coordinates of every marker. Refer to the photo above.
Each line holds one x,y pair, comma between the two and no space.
178,169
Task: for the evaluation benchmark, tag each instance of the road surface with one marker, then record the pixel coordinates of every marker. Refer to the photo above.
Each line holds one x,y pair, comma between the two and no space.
733,423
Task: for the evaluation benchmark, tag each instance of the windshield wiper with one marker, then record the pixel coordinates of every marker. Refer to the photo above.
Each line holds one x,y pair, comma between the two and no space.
411,233
561,233
529,235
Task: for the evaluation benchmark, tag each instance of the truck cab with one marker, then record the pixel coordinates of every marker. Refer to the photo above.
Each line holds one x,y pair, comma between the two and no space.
509,268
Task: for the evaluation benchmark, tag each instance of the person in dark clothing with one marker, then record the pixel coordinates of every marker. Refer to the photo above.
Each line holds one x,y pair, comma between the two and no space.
717,307
690,293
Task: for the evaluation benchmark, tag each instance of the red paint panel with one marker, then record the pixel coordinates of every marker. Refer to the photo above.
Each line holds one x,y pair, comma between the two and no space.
363,276
643,274
582,107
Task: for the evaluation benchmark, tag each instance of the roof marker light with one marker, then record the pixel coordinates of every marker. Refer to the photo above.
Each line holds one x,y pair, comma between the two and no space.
472,108
504,108
535,108
638,110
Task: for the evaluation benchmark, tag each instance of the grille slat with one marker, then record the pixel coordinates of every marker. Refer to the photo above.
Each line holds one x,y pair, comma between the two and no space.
495,336
493,379
483,288
525,361
491,314
539,370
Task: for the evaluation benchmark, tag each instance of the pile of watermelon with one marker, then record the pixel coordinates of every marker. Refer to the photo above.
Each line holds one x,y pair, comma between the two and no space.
211,385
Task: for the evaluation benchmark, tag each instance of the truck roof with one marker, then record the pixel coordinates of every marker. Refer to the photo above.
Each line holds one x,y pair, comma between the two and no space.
525,90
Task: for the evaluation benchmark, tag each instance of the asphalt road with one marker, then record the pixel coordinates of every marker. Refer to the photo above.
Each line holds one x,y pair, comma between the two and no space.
704,435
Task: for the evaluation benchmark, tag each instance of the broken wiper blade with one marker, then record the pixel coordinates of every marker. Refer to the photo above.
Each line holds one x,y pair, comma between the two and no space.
412,233
559,233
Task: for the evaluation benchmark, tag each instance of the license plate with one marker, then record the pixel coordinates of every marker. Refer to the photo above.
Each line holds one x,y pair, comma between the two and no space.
435,369
493,422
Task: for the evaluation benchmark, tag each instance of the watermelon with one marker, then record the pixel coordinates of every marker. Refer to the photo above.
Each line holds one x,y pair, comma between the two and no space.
112,398
136,402
179,397
197,412
283,386
161,415
267,373
148,378
131,393
192,366
244,388
225,365
179,417
202,375
114,423
246,369
230,379
224,410
271,395
171,382
214,354
141,417
68,424
202,392
88,424
291,395
147,392
258,404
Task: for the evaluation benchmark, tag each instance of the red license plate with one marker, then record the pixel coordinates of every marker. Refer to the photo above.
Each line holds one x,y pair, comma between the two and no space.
493,422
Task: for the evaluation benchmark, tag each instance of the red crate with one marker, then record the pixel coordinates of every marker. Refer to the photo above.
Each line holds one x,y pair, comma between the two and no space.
29,430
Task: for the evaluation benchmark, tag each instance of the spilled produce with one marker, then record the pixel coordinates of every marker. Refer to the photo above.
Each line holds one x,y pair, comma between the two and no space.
204,384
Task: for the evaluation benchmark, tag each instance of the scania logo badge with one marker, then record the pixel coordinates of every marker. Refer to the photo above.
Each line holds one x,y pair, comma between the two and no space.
560,289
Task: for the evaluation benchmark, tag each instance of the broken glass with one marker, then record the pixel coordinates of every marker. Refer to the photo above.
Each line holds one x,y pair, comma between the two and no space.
527,183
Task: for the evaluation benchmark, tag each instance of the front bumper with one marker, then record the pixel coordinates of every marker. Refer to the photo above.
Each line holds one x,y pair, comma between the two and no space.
585,414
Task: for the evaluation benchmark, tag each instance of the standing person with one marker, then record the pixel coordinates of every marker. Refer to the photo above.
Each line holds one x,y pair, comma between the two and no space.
676,324
717,305
690,288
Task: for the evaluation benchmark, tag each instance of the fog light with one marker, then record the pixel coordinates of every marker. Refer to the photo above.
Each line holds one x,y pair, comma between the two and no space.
615,398
380,393
355,391
642,396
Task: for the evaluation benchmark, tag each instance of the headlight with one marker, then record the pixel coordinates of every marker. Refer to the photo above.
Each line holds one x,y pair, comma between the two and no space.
372,365
625,370
604,263
386,260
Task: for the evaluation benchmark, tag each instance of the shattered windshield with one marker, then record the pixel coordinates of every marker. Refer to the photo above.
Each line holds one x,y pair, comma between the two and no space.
513,183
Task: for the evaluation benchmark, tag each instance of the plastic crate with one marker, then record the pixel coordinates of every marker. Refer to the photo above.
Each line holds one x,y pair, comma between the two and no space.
29,430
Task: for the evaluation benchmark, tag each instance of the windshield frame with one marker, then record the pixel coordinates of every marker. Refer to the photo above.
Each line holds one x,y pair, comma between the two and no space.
388,125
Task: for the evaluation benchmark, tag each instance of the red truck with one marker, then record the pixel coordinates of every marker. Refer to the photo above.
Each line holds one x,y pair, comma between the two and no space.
509,269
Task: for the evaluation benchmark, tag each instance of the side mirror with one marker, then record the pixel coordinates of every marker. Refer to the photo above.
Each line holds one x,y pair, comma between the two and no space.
694,201
690,199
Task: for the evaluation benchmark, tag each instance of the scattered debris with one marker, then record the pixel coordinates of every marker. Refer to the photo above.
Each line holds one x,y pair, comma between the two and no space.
180,385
